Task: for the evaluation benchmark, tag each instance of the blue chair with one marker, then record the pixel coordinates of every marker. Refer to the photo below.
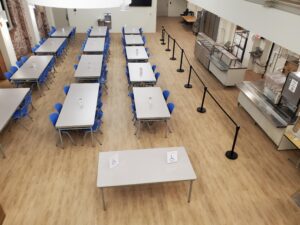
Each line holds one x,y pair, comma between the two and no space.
28,100
171,107
99,115
131,95
43,78
13,69
157,75
78,57
75,66
95,128
8,75
42,41
123,30
133,110
66,89
166,94
24,58
103,79
58,106
35,48
53,119
19,63
153,68
141,30
22,113
144,39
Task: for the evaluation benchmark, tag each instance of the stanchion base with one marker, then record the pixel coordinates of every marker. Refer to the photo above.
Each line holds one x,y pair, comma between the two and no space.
180,70
163,43
201,110
188,86
161,39
168,50
172,58
231,155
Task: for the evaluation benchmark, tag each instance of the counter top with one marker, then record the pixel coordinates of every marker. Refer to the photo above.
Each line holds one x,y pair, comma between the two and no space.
253,90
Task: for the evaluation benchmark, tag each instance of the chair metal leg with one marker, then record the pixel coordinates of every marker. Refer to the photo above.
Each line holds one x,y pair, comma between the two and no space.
99,142
190,191
23,126
92,137
61,139
72,140
2,152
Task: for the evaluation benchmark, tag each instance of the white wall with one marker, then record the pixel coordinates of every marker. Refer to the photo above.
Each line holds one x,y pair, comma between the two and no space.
144,17
162,7
60,18
176,7
278,26
226,31
50,16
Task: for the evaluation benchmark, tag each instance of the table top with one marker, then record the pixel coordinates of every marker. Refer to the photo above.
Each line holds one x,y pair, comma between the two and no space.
132,30
33,68
143,166
189,19
51,45
134,40
141,72
79,108
99,31
150,103
292,138
10,99
89,67
94,45
62,32
136,53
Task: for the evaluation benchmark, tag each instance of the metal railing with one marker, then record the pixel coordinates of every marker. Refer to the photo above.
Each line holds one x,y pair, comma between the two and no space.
231,154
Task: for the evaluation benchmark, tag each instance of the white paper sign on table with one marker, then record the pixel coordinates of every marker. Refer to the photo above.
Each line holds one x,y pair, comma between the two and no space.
172,157
114,161
293,85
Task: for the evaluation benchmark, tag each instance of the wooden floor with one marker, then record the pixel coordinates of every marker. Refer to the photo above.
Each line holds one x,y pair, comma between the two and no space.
42,184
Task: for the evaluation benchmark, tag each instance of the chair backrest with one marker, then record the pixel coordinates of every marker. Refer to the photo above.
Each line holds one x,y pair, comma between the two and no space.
66,89
28,98
13,69
157,76
96,125
78,57
75,66
144,39
58,106
154,68
166,94
141,30
53,118
19,63
8,75
24,58
171,107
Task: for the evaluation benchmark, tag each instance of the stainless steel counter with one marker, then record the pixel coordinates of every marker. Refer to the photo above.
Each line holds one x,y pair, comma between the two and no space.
253,90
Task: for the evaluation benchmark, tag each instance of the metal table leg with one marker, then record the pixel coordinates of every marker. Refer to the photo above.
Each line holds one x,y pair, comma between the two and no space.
190,191
103,200
139,129
92,137
2,152
61,140
166,128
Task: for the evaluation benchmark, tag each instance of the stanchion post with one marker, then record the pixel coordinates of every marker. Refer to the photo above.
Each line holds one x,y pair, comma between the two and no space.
168,48
201,109
173,53
180,70
188,85
162,35
231,154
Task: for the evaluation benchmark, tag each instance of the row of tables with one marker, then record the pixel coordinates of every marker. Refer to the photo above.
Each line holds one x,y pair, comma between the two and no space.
144,166
80,105
30,72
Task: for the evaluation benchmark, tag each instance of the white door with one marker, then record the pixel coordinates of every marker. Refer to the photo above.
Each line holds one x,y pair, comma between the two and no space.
176,7
162,7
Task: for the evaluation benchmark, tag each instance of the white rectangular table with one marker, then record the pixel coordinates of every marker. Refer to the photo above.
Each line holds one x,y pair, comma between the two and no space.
50,46
32,69
150,106
132,30
94,46
143,166
79,108
100,31
136,53
141,73
10,99
89,67
62,32
134,40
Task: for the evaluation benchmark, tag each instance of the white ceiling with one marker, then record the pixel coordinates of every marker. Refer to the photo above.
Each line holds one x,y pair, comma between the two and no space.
80,4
